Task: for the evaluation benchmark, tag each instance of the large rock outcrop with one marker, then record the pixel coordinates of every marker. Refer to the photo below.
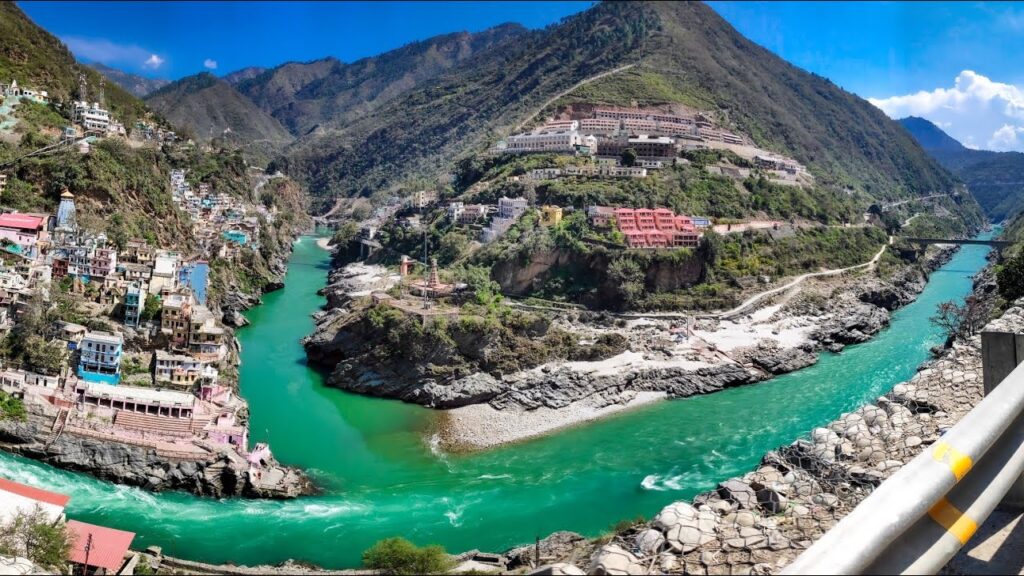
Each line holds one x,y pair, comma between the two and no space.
220,474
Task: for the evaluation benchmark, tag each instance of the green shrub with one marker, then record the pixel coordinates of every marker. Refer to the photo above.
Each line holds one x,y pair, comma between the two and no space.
11,408
399,556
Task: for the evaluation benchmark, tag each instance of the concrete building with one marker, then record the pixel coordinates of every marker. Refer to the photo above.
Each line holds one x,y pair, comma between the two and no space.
645,146
174,318
22,232
92,117
18,498
100,357
544,174
165,273
89,261
550,215
182,371
134,301
455,211
606,170
556,141
205,338
511,207
472,212
130,399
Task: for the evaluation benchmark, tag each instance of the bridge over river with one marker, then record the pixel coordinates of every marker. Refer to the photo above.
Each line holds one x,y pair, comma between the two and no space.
999,244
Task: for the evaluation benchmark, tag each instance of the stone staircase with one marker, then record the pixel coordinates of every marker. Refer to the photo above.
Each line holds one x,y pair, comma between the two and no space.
156,424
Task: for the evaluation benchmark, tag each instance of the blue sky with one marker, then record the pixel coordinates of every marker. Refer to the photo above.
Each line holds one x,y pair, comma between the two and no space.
176,39
953,63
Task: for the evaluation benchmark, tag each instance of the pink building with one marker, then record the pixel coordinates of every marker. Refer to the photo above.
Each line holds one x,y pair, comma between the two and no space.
645,219
626,219
23,230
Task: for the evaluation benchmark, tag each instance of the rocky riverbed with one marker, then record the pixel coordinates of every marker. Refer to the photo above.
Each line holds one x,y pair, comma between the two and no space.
665,355
761,521
209,472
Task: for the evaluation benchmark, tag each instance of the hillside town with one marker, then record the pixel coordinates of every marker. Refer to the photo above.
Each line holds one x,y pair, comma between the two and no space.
134,355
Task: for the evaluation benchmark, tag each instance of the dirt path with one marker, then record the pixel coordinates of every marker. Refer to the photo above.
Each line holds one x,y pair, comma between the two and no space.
583,82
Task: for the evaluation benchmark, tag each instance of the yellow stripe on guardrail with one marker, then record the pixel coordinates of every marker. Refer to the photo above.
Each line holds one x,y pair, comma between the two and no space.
953,520
958,462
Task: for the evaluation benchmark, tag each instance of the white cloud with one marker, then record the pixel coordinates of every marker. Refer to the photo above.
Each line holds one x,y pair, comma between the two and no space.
112,53
975,109
153,62
210,63
1005,138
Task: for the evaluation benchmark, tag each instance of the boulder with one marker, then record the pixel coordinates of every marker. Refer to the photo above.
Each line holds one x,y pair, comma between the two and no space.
613,560
649,541
739,492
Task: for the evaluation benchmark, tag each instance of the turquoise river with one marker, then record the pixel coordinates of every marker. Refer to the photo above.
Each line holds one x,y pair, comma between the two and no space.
381,478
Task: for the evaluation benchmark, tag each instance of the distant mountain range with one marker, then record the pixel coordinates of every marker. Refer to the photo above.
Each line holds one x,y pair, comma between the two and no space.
996,179
137,85
351,129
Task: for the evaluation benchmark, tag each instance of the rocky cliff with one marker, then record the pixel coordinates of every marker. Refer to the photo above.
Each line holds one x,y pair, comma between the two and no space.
466,363
221,474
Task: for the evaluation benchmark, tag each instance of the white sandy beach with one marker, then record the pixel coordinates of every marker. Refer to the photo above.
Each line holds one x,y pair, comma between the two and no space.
481,426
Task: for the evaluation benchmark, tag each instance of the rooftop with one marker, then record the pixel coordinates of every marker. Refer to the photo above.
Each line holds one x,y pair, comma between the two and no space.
164,397
106,337
107,546
22,221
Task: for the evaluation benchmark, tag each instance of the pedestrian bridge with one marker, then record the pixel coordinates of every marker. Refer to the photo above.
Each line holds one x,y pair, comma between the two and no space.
1000,244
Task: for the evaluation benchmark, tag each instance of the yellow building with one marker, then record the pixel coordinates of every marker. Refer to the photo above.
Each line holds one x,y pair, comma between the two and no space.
550,215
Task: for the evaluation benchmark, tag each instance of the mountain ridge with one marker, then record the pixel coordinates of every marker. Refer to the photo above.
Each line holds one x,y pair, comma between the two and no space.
996,179
683,53
137,85
210,108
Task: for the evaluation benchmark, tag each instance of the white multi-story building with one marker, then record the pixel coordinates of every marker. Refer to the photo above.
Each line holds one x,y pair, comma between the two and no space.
549,141
92,117
511,207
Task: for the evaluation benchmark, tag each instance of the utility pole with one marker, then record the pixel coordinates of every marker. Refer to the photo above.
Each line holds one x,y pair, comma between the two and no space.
88,548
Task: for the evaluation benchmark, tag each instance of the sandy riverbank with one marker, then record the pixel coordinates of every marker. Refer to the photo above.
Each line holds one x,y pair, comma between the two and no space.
324,243
481,426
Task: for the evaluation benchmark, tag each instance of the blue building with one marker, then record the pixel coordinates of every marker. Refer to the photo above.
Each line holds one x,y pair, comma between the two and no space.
236,236
99,357
133,304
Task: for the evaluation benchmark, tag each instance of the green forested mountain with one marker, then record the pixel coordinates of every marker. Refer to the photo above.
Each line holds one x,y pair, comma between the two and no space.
136,85
37,59
209,108
328,92
679,52
996,179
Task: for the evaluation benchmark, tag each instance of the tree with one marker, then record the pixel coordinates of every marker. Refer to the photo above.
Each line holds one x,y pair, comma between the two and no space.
478,279
453,245
399,556
628,278
960,321
151,309
1010,277
629,157
42,356
345,234
32,535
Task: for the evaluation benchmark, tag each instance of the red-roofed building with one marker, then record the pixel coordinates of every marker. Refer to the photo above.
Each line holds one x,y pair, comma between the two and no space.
645,219
18,498
99,549
664,219
23,231
626,218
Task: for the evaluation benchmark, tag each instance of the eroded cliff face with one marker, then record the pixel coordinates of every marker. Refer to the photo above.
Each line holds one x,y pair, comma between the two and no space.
664,273
461,366
220,474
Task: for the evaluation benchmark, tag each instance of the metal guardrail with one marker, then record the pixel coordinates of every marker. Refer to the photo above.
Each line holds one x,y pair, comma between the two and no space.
918,519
